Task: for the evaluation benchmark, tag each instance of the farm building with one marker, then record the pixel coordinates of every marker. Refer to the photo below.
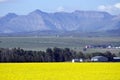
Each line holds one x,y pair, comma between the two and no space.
99,59
77,60
116,59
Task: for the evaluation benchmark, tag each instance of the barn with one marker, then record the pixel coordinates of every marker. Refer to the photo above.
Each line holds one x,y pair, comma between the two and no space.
99,59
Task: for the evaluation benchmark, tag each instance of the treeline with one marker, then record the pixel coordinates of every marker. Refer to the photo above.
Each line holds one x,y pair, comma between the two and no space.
50,55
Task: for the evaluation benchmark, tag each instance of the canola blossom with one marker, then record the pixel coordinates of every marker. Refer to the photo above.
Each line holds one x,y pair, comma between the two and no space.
60,71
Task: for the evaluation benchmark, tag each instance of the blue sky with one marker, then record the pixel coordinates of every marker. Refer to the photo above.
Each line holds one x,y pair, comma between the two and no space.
25,6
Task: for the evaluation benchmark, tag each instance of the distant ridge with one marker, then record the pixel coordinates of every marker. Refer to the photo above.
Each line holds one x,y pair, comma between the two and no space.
77,21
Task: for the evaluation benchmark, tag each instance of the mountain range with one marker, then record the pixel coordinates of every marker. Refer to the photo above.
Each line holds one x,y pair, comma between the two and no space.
77,21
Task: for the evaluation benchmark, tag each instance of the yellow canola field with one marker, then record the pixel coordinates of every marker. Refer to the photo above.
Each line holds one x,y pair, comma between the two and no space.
59,71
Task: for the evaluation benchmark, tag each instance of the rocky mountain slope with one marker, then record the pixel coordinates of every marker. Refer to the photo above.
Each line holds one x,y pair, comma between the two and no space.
77,21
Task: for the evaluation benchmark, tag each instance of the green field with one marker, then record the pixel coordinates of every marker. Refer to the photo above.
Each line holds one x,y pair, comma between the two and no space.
75,43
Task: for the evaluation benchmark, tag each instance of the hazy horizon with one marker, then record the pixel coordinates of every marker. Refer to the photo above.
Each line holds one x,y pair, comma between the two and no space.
23,7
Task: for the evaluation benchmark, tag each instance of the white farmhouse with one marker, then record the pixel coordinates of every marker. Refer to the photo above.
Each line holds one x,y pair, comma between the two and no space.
77,60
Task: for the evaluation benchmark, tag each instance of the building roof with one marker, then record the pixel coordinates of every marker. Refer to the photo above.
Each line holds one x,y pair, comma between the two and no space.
116,57
96,57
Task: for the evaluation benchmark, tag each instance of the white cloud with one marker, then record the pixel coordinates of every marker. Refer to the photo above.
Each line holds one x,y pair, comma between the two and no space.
102,7
60,9
110,8
117,5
